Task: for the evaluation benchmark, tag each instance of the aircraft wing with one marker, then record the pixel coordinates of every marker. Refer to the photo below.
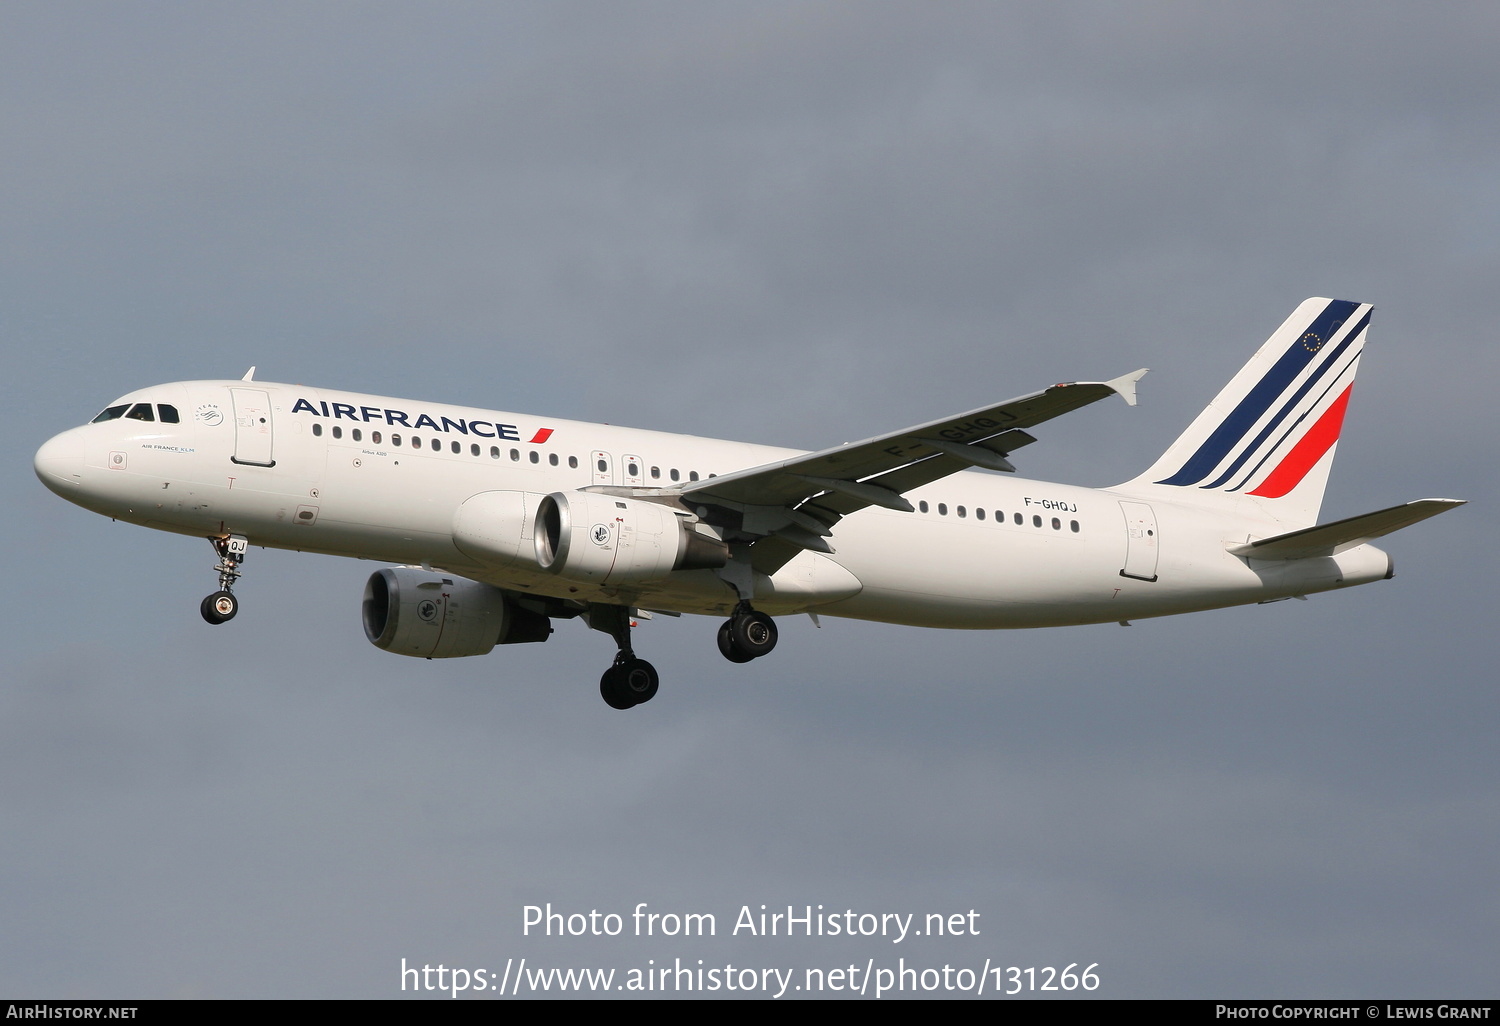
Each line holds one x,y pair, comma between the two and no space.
799,500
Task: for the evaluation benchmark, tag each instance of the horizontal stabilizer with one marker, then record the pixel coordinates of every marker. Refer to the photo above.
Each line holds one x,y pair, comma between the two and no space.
1330,539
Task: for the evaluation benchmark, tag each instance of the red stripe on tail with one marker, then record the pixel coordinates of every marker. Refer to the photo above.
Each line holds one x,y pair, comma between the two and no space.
1307,452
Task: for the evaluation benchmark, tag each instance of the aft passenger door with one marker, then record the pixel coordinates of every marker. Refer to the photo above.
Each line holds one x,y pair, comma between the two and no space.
1140,541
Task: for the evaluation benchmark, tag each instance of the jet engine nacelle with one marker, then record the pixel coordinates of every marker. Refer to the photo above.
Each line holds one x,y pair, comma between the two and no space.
436,616
495,527
603,539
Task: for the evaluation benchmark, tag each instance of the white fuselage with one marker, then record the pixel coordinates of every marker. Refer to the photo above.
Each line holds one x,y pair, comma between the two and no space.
311,469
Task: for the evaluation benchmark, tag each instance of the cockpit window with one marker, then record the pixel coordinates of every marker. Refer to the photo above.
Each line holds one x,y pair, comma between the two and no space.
113,413
167,414
141,411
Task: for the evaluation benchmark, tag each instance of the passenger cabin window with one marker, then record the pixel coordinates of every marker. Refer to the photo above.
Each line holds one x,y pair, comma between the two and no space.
942,509
1074,525
962,512
167,414
675,476
375,437
922,505
603,467
396,441
474,449
1020,520
573,462
318,430
338,432
552,458
494,452
437,445
141,411
692,475
357,435
536,457
113,413
655,471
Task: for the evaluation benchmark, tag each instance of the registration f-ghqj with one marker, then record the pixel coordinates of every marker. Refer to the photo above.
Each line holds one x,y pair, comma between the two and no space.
503,522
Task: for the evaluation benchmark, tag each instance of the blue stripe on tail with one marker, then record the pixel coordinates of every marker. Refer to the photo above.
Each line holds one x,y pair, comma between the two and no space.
1276,381
1291,404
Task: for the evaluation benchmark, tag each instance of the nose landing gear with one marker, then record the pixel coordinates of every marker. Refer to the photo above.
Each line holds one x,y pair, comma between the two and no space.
219,607
222,605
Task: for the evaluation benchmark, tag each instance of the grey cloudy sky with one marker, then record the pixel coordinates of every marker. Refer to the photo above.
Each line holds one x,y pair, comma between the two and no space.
789,223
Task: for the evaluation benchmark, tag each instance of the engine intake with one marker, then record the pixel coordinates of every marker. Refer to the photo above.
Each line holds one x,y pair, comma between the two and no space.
495,527
603,539
436,616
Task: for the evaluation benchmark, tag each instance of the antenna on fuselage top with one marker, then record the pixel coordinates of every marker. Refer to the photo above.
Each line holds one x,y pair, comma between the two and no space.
249,375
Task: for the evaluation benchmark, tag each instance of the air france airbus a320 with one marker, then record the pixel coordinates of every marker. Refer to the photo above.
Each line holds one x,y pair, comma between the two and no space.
502,522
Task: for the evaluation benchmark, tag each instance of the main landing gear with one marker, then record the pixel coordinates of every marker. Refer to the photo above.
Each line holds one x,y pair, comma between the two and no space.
747,634
222,605
631,680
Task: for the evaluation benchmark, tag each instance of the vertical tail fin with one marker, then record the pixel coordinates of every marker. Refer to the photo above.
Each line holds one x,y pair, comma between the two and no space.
1269,436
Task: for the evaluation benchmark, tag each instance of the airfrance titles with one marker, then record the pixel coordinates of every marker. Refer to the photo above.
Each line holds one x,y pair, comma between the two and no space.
401,418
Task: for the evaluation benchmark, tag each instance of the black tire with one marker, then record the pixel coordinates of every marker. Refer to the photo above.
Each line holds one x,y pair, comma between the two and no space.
752,634
726,646
612,690
638,680
219,607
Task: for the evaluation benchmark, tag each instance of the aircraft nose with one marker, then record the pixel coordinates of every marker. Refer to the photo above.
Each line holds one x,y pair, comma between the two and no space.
59,463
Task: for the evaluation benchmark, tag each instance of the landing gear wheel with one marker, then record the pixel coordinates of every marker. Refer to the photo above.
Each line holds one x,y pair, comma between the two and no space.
222,605
726,644
612,691
638,679
219,607
628,683
752,634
